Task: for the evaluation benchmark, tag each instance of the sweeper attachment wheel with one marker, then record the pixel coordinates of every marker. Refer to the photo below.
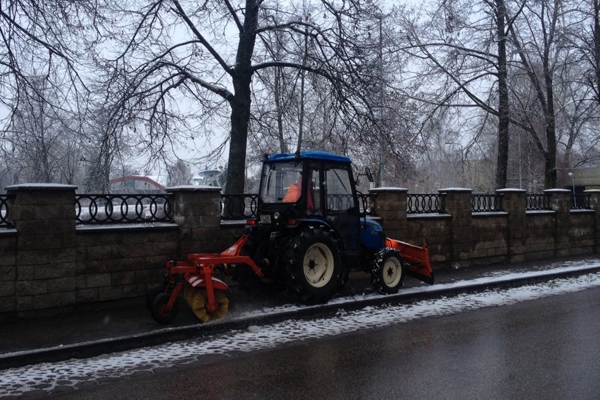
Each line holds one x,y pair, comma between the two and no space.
197,300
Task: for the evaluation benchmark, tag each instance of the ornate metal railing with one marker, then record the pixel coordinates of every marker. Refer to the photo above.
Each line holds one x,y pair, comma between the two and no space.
367,204
4,223
486,203
122,208
238,206
538,201
244,206
425,203
339,202
580,202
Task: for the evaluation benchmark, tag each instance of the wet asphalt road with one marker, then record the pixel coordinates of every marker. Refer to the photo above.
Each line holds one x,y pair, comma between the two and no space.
542,349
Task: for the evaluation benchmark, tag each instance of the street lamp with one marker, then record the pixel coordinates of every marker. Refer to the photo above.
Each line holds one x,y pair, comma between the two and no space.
573,183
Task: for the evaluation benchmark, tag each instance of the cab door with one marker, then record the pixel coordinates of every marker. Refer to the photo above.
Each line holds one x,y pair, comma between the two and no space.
341,208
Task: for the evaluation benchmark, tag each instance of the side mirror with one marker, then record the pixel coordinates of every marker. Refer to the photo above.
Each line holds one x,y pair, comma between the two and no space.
369,175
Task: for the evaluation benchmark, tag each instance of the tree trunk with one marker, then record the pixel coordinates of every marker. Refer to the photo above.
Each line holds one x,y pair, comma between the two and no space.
279,110
240,117
550,167
597,47
240,105
503,104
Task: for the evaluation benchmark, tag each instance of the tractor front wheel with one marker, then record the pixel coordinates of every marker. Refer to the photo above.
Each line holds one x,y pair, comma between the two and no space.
387,272
314,266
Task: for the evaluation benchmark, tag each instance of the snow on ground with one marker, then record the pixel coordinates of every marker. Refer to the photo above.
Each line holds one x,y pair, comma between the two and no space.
68,375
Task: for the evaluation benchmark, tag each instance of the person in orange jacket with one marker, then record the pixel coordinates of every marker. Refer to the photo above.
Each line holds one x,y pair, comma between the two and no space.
294,192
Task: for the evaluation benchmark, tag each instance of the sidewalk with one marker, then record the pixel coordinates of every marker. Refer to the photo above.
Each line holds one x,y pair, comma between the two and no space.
122,325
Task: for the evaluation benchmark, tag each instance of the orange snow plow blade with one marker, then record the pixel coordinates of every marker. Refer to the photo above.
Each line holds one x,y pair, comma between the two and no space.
417,259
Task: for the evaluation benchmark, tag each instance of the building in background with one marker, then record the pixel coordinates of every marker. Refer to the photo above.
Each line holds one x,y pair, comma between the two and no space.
135,184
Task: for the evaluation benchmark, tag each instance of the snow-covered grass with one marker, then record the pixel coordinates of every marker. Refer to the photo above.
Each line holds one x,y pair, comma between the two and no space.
72,373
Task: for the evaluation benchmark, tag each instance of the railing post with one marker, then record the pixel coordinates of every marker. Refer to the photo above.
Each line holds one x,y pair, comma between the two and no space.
458,205
390,205
197,212
44,217
560,202
514,202
595,205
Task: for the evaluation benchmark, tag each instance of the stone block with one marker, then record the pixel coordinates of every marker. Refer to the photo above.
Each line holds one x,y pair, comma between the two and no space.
87,267
8,273
48,271
110,293
103,238
25,272
8,257
7,289
68,298
62,255
22,212
31,288
32,257
49,300
64,284
37,242
49,211
123,278
134,290
99,253
86,295
8,304
149,275
98,280
24,303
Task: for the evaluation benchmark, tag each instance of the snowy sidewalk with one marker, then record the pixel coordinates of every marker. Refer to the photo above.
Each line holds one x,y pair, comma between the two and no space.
127,325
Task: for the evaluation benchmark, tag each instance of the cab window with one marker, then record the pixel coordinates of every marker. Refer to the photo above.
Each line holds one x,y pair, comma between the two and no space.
339,189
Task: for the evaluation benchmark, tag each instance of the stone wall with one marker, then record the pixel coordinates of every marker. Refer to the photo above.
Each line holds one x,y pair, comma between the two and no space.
461,238
49,262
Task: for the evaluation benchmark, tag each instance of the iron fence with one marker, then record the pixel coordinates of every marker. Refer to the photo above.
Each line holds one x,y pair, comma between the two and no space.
122,208
580,202
486,203
4,223
367,204
425,203
238,206
538,201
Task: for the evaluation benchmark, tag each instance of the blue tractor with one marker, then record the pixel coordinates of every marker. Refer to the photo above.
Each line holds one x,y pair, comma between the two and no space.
309,233
311,230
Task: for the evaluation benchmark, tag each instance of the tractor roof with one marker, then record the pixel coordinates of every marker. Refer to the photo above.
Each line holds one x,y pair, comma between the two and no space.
310,154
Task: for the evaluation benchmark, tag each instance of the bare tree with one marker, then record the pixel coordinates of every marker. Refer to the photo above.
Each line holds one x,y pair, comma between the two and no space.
43,90
469,50
209,53
178,173
539,40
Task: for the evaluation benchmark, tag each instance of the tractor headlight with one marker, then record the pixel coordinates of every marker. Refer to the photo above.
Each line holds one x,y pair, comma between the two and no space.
276,215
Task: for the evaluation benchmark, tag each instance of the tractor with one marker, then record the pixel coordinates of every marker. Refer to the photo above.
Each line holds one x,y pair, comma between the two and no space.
309,233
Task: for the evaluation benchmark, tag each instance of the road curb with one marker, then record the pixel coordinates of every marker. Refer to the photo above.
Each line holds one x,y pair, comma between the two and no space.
166,335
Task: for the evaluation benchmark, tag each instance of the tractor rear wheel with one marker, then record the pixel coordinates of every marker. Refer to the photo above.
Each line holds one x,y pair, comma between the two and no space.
387,272
314,267
161,311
